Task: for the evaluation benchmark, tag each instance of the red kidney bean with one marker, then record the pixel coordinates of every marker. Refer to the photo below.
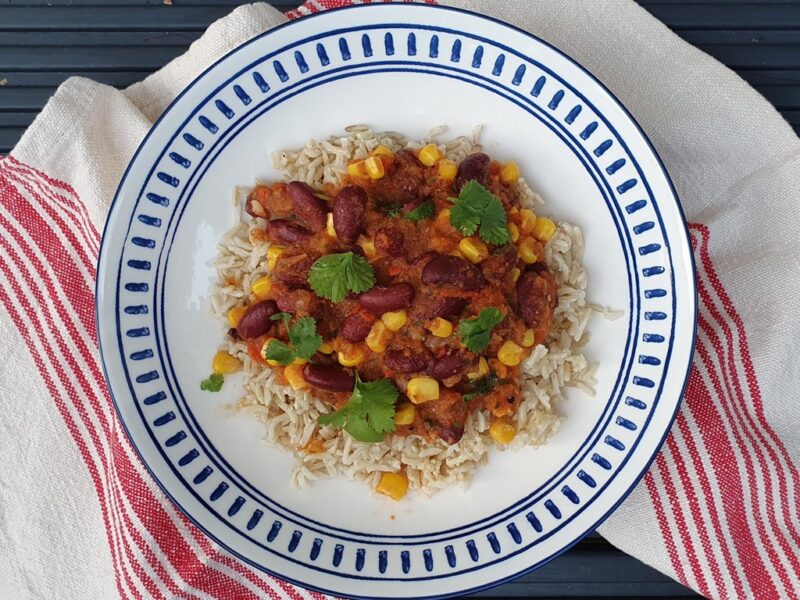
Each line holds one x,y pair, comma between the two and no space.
537,295
296,301
451,306
310,209
348,209
329,377
448,365
256,320
451,435
293,270
282,231
475,166
384,299
453,270
356,326
405,361
389,241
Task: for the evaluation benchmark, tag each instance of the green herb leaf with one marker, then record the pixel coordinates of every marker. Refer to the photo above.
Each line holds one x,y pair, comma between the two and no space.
303,336
304,339
481,387
369,414
281,315
476,206
213,383
475,333
334,275
390,209
278,351
424,211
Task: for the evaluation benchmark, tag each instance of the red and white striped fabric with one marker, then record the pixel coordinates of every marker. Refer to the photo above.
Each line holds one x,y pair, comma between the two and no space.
720,508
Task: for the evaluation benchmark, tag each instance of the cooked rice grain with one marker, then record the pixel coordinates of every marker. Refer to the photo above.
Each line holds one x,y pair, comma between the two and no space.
290,417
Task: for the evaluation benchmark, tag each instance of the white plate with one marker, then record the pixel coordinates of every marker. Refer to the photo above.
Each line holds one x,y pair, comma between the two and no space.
404,68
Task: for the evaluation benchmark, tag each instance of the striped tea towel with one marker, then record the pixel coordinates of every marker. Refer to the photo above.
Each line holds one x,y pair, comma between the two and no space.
718,511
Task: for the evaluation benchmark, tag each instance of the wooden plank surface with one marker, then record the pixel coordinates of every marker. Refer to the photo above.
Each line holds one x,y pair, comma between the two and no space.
119,43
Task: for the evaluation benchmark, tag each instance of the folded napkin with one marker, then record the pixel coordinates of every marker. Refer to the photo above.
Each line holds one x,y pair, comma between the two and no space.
719,509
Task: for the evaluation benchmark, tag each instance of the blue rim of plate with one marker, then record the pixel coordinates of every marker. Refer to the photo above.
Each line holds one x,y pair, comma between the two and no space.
250,116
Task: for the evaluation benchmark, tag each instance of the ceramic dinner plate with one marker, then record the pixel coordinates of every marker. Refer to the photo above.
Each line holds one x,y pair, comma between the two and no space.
405,68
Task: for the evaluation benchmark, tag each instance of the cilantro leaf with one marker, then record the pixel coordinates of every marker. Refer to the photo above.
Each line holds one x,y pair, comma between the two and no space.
334,275
475,333
304,337
476,206
390,209
481,387
424,211
369,414
280,352
213,383
281,316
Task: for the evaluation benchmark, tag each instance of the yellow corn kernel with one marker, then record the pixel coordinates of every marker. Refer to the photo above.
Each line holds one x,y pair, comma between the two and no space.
481,371
325,348
405,414
225,364
440,327
379,337
368,246
374,167
356,169
513,210
443,218
422,389
382,151
527,220
474,250
262,286
394,320
513,232
528,338
234,314
273,253
527,251
515,273
294,375
394,485
510,172
329,229
510,354
429,154
502,432
544,229
447,169
351,357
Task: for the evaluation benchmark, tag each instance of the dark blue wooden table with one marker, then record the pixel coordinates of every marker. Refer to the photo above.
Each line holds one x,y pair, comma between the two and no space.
42,42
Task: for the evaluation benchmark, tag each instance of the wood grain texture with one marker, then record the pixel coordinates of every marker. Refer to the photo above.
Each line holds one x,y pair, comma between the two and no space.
120,42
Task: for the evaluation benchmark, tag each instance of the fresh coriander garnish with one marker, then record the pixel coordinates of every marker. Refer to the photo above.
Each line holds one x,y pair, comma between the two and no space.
475,333
481,387
477,209
213,383
390,209
304,339
281,316
424,211
369,414
334,275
